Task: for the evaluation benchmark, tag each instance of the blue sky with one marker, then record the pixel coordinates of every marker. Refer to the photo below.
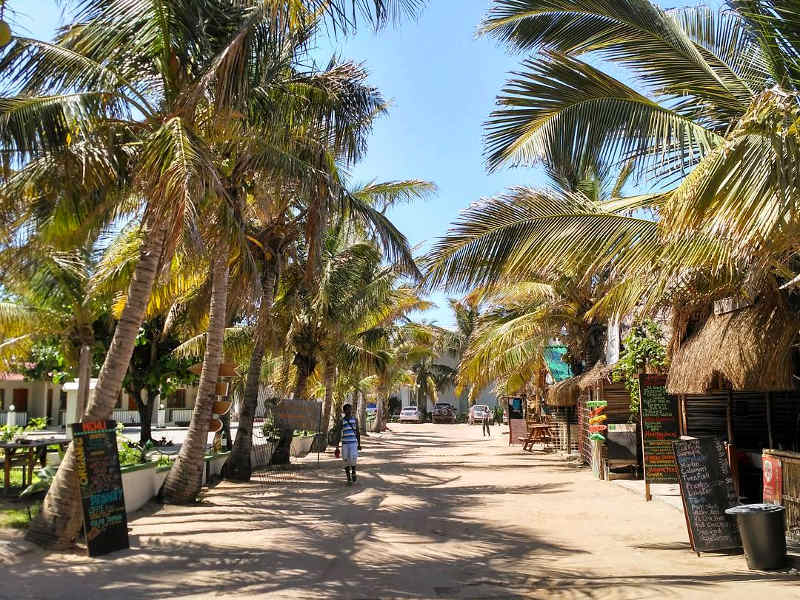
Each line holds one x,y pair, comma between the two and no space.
442,83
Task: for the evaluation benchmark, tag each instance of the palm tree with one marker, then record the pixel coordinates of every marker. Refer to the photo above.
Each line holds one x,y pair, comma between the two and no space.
398,346
96,73
711,128
52,297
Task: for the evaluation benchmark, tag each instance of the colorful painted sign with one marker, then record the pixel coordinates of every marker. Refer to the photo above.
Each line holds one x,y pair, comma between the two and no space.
773,479
97,464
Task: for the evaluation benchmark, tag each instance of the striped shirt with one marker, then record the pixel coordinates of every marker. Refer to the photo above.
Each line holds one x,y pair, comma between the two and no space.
349,431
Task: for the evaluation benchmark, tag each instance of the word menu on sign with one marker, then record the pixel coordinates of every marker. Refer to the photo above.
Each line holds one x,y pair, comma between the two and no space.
707,490
104,517
658,413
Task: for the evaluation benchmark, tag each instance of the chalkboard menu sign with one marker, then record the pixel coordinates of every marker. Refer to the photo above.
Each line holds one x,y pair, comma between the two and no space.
97,463
658,413
707,490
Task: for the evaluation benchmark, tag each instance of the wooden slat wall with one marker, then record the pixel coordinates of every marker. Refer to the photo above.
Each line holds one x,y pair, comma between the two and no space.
584,446
706,416
565,419
785,416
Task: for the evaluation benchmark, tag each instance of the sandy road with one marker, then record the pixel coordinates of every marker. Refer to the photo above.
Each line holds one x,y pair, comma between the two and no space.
438,512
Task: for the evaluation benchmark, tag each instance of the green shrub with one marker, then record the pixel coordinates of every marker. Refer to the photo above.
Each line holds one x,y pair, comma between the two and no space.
498,414
643,350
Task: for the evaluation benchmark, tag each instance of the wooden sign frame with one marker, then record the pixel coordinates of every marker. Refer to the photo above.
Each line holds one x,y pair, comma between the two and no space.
655,381
105,519
686,507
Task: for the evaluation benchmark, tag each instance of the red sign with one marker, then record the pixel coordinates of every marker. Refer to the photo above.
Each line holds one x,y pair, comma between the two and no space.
773,479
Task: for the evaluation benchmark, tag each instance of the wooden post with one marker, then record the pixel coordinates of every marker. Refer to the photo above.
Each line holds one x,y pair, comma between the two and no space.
729,417
682,408
769,419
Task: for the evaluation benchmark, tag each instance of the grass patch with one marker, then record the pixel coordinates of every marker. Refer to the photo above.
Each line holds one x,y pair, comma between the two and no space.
18,517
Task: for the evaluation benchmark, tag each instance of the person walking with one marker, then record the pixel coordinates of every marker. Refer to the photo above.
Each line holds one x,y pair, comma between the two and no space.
351,444
486,430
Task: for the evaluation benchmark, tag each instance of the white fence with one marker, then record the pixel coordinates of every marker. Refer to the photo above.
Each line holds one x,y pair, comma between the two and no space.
20,418
126,417
180,415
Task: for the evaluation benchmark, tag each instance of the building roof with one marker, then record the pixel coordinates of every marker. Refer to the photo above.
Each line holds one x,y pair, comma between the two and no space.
748,349
12,377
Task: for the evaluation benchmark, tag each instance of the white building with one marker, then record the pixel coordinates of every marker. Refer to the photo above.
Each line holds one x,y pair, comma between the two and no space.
30,398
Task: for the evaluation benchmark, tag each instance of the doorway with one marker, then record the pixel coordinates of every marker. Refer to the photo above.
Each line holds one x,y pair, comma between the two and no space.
20,399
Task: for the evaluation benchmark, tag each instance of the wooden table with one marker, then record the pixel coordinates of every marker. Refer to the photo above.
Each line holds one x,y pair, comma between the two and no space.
538,433
25,454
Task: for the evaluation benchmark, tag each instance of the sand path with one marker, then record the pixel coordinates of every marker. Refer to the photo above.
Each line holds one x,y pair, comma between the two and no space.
438,512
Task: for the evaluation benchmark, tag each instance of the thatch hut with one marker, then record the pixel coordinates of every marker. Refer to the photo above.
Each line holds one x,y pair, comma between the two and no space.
749,349
734,379
564,393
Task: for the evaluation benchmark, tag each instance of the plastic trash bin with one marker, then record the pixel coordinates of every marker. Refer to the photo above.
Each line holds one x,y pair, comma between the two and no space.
763,531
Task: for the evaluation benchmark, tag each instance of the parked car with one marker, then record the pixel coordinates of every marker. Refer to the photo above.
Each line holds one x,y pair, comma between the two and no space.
443,412
478,412
411,414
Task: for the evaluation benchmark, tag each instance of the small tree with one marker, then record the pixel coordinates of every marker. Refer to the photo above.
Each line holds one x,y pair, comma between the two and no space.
155,368
644,352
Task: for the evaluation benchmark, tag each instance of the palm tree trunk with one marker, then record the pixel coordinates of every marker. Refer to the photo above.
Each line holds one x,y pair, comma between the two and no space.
301,385
238,467
380,412
84,377
59,521
330,382
362,411
185,478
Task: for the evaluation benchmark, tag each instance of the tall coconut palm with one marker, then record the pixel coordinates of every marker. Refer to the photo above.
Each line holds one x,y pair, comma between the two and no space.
720,88
51,297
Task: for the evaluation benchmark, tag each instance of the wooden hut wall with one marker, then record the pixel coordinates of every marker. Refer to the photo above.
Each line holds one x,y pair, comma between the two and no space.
582,413
707,415
785,420
618,411
565,420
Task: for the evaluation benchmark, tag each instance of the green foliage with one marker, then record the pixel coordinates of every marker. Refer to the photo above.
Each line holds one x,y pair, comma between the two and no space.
44,477
7,432
46,362
36,424
131,454
643,351
498,414
270,430
154,366
19,518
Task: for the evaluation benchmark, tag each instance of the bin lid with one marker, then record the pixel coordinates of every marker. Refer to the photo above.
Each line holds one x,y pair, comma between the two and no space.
744,509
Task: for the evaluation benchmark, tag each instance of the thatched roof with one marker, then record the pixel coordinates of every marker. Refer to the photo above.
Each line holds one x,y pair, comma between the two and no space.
600,372
749,349
563,393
